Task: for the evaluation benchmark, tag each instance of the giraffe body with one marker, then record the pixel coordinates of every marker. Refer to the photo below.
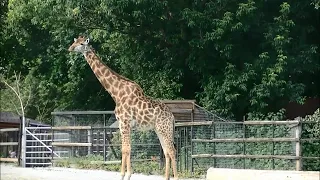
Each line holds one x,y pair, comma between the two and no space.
134,110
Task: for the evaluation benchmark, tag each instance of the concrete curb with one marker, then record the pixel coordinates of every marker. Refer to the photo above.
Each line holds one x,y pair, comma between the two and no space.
248,174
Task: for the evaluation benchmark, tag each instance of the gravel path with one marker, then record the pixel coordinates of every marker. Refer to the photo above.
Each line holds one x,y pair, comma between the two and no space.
10,172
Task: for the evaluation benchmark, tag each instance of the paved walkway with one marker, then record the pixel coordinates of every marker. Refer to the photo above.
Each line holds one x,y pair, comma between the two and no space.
11,172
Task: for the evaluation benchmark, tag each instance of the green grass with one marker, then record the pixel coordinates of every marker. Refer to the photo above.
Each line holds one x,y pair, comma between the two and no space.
96,162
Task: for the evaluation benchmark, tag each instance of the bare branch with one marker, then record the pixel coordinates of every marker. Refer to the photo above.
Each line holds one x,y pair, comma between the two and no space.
15,107
16,92
29,97
17,83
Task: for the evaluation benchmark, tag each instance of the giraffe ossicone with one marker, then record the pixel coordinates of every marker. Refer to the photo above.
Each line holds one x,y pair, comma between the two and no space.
133,109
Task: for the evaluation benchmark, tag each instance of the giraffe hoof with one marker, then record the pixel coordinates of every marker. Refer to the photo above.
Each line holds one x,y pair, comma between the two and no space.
122,177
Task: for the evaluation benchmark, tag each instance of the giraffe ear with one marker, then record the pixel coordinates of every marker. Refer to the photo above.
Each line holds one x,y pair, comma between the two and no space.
87,41
74,39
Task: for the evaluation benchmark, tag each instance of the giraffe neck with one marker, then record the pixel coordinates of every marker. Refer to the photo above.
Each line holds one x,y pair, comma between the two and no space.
115,84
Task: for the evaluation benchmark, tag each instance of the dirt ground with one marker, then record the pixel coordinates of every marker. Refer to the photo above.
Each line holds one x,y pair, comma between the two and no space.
11,172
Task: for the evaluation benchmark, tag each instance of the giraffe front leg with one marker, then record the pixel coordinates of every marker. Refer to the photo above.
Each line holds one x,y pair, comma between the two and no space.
167,173
129,172
126,158
123,161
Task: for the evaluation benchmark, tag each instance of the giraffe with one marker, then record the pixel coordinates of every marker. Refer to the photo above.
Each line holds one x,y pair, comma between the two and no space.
133,109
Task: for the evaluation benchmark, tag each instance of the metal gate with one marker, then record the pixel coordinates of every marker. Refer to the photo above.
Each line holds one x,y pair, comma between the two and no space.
39,152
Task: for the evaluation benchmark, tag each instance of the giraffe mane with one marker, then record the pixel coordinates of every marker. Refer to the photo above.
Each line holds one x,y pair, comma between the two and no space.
114,72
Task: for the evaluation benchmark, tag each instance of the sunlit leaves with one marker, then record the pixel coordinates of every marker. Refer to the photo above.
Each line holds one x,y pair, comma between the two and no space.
233,57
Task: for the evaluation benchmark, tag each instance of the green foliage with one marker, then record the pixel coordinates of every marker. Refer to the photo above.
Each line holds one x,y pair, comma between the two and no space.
145,139
234,57
311,129
314,129
263,131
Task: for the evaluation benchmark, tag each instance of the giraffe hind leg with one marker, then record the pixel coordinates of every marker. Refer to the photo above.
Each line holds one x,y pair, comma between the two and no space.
170,154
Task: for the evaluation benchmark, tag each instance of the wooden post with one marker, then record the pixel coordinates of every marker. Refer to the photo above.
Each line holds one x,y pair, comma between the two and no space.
298,146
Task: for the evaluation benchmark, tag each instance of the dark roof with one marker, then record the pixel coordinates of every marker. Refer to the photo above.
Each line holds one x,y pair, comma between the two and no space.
10,117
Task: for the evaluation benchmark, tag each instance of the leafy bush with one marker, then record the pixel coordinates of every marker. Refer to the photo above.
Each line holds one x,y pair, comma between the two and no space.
311,129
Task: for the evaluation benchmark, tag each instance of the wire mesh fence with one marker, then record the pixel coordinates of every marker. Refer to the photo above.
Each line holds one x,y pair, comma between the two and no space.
231,143
96,133
212,142
255,145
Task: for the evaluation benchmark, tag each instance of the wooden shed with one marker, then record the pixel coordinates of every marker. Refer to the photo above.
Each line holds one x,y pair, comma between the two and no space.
9,139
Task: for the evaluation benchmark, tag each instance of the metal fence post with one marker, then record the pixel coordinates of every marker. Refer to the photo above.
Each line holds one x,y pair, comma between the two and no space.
244,143
191,138
23,142
298,145
104,138
273,129
89,131
52,141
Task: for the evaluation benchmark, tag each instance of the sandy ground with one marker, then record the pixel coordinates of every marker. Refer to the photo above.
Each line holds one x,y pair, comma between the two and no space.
10,172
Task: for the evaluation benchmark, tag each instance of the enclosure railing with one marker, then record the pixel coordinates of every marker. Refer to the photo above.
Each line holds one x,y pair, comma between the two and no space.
294,125
215,143
9,145
97,133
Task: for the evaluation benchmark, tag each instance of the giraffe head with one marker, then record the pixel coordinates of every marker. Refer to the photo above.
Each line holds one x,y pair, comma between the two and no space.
80,44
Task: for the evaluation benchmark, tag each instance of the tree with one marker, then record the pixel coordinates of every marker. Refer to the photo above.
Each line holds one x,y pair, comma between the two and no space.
233,57
17,98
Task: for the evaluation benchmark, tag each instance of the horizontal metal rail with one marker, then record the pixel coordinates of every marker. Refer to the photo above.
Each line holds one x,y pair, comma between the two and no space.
39,157
244,156
71,127
81,112
72,144
9,143
39,163
48,140
8,159
134,144
45,140
236,140
40,128
37,146
241,140
9,129
305,157
38,152
41,134
203,123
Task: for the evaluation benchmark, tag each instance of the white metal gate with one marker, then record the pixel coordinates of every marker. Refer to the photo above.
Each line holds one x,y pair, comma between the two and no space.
39,152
